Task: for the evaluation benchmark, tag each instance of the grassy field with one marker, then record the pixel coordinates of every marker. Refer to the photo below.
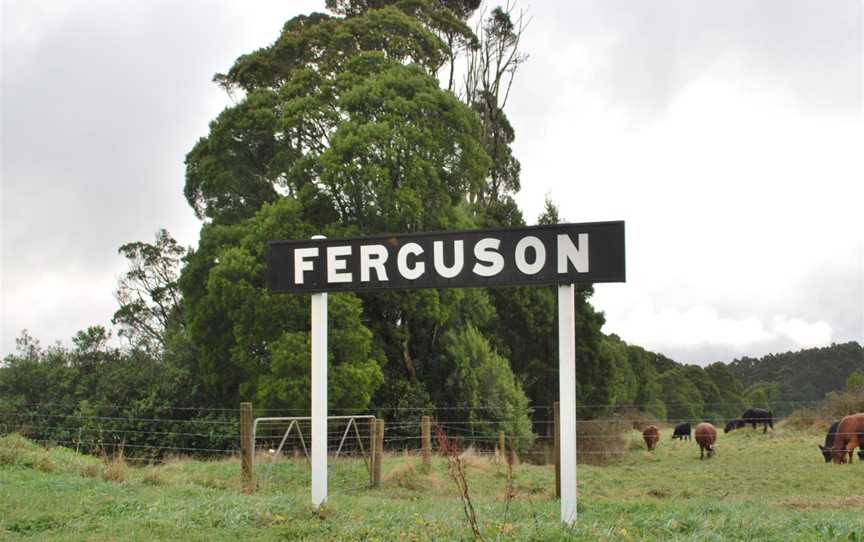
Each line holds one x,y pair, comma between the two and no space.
759,487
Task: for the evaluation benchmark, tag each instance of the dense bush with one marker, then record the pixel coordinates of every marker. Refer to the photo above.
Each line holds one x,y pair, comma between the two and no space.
94,397
483,383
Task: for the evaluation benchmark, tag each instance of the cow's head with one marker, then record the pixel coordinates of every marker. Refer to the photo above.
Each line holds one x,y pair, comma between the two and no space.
826,453
730,426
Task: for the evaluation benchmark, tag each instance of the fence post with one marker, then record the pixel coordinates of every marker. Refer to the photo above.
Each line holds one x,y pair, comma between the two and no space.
502,451
557,424
373,449
247,447
426,431
379,452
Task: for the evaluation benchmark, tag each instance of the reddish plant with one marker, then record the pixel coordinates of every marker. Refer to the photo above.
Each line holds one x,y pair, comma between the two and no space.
456,470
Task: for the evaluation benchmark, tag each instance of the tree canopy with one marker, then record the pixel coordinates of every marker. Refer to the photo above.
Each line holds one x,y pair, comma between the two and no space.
342,129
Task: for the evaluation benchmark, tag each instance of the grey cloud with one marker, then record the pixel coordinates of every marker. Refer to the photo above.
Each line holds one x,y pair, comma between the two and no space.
832,293
101,100
813,49
652,49
706,354
97,116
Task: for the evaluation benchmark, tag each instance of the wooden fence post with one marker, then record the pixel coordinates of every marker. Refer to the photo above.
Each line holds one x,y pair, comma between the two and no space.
502,451
557,454
379,453
247,447
426,432
373,449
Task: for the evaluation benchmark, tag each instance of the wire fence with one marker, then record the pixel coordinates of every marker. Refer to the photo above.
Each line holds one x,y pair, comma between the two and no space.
164,431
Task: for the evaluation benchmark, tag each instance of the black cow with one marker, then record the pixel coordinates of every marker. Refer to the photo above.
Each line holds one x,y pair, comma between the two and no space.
682,431
753,416
829,442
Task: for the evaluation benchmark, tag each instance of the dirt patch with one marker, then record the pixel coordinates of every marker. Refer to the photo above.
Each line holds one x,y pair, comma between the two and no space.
843,502
660,493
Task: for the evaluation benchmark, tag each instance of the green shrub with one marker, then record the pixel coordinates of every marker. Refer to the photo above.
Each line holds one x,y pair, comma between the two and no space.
483,382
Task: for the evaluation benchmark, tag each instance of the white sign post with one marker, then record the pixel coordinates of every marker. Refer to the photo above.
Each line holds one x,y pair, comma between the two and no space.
319,397
567,399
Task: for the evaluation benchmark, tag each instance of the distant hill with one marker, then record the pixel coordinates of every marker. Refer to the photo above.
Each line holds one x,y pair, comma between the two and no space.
806,375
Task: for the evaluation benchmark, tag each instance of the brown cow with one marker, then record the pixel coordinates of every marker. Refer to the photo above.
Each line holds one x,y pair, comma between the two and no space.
850,435
706,436
651,436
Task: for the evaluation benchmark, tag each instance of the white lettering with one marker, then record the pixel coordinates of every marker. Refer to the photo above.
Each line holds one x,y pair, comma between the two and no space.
336,267
302,263
458,259
539,255
373,257
419,268
567,252
486,250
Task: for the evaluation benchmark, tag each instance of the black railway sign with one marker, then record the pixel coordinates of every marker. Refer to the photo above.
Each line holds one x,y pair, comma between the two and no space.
554,254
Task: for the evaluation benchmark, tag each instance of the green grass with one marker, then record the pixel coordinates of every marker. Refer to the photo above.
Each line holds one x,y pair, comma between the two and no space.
758,487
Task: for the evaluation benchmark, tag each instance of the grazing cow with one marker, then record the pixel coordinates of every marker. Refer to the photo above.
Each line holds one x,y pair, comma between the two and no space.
651,436
850,435
682,431
829,441
706,436
752,416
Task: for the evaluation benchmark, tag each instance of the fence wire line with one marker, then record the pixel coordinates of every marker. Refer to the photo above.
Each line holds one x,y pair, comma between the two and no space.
425,408
453,425
333,438
349,443
473,433
123,431
139,446
128,418
127,405
456,426
404,424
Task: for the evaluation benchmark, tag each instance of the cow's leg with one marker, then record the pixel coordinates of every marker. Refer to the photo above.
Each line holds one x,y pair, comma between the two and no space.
764,428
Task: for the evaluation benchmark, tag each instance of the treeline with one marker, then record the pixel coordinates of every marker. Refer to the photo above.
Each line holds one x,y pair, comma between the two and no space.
806,376
640,380
97,398
719,391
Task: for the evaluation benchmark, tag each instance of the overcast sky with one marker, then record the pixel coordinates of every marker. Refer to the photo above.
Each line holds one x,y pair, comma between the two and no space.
728,136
